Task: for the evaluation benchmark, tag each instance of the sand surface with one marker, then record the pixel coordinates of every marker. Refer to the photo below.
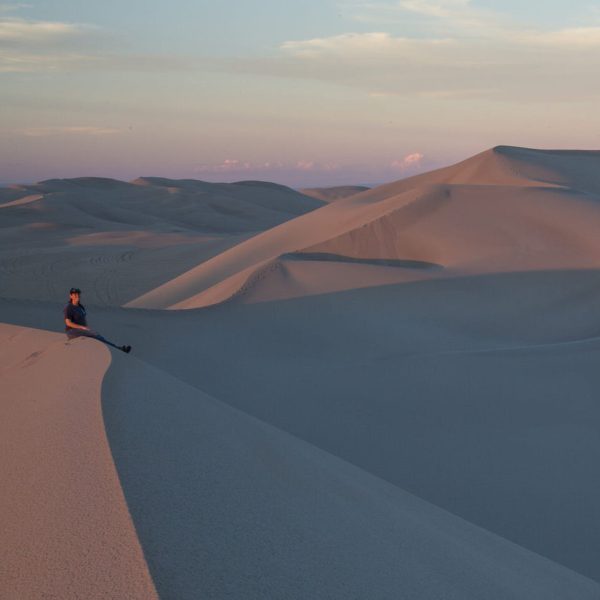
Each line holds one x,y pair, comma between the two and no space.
66,528
118,240
331,194
497,212
389,395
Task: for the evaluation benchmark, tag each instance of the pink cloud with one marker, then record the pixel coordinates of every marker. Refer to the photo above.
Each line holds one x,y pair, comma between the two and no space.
233,165
410,160
228,165
305,165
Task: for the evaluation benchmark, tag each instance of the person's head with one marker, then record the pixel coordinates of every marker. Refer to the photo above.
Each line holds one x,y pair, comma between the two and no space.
75,294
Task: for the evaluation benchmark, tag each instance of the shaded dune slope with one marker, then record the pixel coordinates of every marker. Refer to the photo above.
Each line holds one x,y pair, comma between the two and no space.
232,507
474,393
66,529
186,204
503,210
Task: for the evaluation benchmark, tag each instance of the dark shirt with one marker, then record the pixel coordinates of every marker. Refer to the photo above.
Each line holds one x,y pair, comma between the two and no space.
76,314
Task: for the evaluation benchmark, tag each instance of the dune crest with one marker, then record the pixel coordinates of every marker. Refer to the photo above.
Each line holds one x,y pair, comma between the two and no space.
331,194
506,209
22,201
66,528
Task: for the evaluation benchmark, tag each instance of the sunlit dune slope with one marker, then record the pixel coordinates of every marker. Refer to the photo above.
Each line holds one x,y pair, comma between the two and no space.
331,194
506,209
66,528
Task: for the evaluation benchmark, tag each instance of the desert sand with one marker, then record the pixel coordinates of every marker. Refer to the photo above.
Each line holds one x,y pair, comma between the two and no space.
331,194
384,394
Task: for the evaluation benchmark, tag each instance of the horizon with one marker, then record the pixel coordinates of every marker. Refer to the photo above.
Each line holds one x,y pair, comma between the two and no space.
319,95
233,181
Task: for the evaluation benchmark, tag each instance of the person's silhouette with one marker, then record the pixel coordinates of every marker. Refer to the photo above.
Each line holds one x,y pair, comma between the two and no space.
76,321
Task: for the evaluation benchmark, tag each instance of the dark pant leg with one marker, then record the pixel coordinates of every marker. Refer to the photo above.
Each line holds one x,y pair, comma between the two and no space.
75,333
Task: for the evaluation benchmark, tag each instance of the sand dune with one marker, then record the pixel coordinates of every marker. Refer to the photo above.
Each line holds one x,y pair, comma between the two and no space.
22,201
185,205
512,166
331,194
66,529
118,240
496,212
393,394
11,193
265,515
476,393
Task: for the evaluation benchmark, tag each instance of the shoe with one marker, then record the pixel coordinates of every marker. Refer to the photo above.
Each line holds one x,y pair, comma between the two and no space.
126,349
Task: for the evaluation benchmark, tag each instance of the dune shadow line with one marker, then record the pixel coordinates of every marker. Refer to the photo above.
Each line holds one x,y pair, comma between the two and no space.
385,262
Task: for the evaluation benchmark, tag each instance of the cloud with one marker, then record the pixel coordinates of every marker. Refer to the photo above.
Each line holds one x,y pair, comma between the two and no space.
234,165
19,62
12,7
21,30
18,32
68,130
228,165
28,46
361,46
310,172
574,38
436,15
305,165
461,19
31,45
412,160
437,8
525,64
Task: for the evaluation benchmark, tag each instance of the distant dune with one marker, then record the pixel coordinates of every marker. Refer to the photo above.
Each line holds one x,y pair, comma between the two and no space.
384,394
506,209
331,194
118,240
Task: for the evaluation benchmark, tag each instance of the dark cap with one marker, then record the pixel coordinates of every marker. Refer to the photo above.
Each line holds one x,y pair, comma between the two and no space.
74,291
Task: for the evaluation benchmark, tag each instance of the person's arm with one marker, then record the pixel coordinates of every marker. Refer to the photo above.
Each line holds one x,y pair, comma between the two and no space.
74,325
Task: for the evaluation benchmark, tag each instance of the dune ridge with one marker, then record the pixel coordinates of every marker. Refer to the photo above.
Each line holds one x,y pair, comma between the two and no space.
503,210
331,194
21,201
66,528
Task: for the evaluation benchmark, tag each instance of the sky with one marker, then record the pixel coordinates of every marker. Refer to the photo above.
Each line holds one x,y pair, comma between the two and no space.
305,93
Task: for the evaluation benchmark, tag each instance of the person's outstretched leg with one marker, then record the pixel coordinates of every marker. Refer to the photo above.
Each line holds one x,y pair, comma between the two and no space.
75,333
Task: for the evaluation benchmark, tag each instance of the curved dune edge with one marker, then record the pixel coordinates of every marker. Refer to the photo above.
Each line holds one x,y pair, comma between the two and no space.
229,506
66,529
332,194
499,210
22,201
237,263
294,276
